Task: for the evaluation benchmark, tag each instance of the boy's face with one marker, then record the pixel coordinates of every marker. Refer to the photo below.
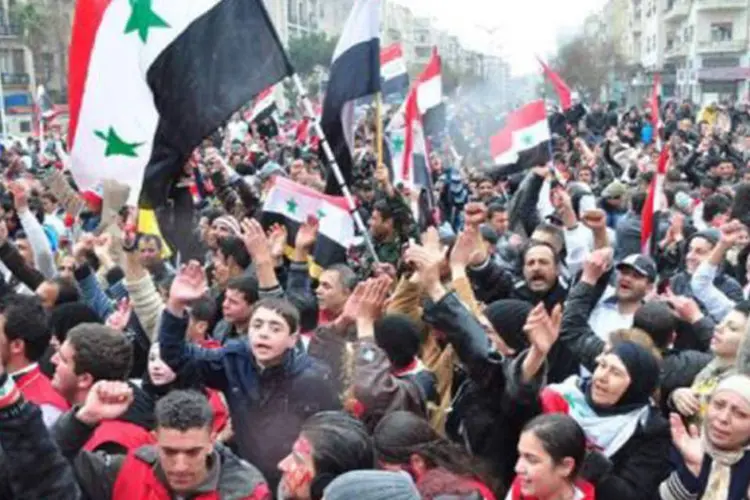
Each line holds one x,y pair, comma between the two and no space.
269,336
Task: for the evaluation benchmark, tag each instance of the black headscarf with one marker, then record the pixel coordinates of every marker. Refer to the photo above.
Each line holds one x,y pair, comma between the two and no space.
643,369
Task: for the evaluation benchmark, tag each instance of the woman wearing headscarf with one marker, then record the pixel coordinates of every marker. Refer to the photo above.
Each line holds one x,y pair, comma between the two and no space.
714,463
628,439
729,335
160,379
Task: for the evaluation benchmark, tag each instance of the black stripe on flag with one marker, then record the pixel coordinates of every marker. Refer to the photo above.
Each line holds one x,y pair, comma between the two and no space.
434,121
220,62
354,74
533,157
326,253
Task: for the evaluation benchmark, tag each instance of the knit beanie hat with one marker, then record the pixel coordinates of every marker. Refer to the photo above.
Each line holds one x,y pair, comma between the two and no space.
372,485
643,369
508,316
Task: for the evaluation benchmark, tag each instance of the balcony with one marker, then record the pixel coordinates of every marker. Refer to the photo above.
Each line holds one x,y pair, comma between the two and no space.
720,4
675,51
679,10
9,30
15,79
719,46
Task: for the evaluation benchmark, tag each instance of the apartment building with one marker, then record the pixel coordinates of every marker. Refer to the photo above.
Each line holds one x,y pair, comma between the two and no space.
700,48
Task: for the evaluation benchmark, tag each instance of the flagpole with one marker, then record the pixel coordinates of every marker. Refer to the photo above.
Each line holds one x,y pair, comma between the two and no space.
335,167
3,122
379,126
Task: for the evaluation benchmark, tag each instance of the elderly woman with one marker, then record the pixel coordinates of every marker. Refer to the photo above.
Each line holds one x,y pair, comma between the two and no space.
715,463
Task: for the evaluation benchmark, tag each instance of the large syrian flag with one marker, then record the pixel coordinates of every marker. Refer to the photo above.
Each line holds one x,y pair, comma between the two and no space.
430,96
355,73
395,79
524,142
292,204
149,79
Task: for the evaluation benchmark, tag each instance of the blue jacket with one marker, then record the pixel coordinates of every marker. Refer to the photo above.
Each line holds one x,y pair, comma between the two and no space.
267,406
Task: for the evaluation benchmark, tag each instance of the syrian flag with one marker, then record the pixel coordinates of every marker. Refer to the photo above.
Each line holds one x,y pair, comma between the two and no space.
430,96
408,146
525,139
561,88
263,106
655,203
149,79
44,104
354,73
409,156
292,204
395,79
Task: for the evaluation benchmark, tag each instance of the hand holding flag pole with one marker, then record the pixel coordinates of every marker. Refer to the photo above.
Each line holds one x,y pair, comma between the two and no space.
335,167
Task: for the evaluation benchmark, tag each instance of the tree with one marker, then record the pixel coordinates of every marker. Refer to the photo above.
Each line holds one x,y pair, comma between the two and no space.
34,21
311,50
588,61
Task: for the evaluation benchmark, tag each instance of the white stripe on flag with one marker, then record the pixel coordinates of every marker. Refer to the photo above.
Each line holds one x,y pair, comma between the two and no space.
362,25
393,68
430,94
292,202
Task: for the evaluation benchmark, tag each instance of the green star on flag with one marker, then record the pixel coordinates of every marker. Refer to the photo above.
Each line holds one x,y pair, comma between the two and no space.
527,139
143,18
398,144
116,146
291,205
320,213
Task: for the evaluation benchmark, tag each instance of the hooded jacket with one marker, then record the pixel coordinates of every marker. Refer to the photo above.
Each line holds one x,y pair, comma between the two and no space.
267,406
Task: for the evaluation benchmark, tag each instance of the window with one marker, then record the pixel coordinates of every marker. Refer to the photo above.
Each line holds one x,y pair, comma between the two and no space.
19,61
25,127
721,32
422,52
291,11
5,61
46,65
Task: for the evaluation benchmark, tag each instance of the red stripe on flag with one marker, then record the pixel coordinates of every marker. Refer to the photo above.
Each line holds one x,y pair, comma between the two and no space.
292,187
652,201
391,53
562,89
432,70
88,17
410,114
501,142
529,115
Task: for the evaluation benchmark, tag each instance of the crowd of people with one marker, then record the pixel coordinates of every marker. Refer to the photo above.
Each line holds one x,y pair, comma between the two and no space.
517,343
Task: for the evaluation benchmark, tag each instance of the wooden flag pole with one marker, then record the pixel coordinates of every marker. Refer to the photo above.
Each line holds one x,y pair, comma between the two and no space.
335,167
379,126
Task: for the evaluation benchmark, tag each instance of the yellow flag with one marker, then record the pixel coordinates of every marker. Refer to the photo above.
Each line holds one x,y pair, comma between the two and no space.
147,224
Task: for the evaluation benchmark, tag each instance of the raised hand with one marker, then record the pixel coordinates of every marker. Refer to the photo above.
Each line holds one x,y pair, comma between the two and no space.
542,330
106,400
120,317
256,242
596,220
189,284
475,214
307,234
373,300
686,402
20,196
277,237
685,308
103,245
468,249
83,246
688,443
596,264
731,232
427,260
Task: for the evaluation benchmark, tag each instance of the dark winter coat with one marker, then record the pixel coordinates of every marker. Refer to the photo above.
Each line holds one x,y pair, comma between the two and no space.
267,406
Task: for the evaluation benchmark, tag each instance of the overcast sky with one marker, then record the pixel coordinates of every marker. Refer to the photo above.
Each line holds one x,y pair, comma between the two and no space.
522,28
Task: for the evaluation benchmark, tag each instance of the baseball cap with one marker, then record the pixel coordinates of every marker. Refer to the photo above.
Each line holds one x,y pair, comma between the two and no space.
270,169
643,265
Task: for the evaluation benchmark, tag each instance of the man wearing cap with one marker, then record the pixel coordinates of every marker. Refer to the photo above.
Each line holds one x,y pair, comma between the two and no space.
636,275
